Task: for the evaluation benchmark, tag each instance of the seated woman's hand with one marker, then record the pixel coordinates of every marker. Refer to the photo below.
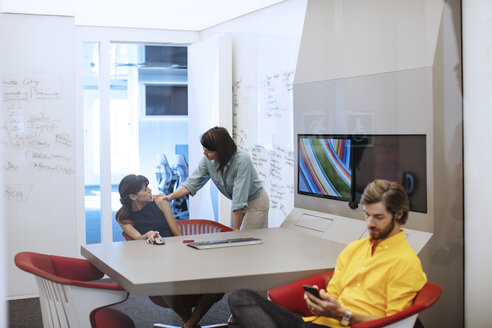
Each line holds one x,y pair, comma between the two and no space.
150,235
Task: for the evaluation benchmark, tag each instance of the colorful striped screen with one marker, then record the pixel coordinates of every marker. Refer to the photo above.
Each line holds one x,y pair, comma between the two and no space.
324,167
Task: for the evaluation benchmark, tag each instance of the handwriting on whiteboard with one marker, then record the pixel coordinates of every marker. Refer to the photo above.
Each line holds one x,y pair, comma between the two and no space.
17,192
262,125
275,95
33,132
274,166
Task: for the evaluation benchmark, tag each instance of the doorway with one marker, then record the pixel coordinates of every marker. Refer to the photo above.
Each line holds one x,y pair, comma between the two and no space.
135,121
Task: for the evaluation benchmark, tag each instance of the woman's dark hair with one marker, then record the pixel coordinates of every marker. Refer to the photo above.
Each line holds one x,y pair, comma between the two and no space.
219,140
131,184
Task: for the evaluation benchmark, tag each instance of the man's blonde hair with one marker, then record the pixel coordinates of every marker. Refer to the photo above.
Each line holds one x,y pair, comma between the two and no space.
391,193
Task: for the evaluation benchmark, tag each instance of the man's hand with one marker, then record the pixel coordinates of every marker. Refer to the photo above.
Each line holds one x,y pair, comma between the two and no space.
325,306
328,306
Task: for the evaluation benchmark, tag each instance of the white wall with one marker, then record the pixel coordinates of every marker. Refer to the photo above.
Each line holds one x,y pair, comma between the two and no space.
37,136
356,39
3,246
477,83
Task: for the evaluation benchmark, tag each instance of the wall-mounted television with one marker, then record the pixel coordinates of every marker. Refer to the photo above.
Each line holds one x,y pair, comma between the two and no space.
400,158
325,166
340,166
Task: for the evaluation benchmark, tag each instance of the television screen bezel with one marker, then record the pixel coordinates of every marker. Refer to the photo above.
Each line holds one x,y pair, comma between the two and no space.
327,136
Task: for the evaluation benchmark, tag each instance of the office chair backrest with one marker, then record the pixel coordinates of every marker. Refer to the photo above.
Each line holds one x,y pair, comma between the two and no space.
199,226
195,227
182,167
67,295
166,177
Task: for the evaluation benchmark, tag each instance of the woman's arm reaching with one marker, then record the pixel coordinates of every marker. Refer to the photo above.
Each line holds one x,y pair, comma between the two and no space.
182,191
128,228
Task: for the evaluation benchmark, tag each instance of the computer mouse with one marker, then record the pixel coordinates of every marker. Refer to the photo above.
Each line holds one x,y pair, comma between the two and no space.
159,241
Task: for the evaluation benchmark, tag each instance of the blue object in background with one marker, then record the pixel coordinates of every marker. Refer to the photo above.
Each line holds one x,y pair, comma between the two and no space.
214,194
93,219
183,150
409,181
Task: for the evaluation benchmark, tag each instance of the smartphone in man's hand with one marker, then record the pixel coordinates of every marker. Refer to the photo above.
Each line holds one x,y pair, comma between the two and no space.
313,290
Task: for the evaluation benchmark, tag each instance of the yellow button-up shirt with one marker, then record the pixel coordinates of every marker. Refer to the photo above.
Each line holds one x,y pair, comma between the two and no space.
375,278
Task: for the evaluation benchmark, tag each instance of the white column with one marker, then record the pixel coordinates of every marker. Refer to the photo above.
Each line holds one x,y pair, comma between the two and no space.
477,116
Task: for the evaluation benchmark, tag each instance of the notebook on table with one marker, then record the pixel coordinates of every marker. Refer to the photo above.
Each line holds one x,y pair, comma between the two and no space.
225,243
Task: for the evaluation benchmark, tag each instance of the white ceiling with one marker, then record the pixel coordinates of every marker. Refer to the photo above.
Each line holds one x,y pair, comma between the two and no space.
189,15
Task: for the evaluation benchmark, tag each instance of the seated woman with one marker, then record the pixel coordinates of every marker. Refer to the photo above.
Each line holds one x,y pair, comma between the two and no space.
143,216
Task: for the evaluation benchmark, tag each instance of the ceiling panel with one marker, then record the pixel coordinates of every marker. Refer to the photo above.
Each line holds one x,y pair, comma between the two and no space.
189,15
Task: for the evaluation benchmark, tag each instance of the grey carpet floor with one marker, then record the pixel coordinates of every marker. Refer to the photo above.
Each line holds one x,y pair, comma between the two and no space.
26,313
145,313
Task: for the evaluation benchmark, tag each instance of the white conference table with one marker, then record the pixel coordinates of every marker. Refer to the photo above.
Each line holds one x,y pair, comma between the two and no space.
144,269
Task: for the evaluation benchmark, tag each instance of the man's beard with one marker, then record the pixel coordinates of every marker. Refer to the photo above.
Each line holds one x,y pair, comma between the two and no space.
383,233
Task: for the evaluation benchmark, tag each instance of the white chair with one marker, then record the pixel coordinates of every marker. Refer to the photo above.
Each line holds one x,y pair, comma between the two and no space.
69,297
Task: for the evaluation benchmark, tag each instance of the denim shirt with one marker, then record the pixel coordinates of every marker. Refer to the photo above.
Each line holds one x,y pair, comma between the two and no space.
239,181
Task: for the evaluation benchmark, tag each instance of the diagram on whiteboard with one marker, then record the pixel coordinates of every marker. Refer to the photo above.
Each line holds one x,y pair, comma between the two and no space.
35,140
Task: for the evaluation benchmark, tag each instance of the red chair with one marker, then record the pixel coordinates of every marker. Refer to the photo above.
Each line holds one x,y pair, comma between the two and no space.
189,227
195,227
291,297
68,296
199,226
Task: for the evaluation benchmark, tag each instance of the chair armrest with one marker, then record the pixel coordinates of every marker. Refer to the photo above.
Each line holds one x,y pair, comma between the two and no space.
291,296
96,285
382,322
75,269
425,298
127,238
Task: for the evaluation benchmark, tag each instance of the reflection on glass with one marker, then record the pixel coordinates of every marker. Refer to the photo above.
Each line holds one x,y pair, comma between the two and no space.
91,142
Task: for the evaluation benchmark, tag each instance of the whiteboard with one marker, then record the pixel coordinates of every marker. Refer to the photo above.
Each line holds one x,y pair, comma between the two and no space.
262,113
37,140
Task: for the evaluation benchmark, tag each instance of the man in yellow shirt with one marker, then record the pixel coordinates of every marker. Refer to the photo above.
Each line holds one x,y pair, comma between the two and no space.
374,277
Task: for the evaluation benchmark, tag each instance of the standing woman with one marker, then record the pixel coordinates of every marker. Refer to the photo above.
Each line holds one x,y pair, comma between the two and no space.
141,217
232,171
